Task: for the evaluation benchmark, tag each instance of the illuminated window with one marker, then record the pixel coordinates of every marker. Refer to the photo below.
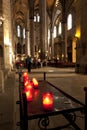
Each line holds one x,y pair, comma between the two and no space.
69,22
60,28
38,18
18,31
48,36
34,18
49,33
24,33
55,32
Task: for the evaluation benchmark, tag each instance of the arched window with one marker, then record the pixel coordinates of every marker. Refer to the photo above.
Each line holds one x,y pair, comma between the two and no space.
48,36
69,22
60,28
18,31
35,19
24,33
55,32
38,18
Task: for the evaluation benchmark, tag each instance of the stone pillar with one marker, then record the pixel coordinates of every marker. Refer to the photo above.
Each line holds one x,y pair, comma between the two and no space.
64,29
1,40
31,26
1,81
64,43
81,35
32,49
51,42
7,29
43,28
27,45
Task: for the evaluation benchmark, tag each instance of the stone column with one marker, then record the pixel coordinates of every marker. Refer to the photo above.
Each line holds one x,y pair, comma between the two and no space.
64,29
51,42
64,43
43,28
32,46
31,26
7,29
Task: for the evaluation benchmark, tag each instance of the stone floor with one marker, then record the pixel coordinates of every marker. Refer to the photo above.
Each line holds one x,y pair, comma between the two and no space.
65,78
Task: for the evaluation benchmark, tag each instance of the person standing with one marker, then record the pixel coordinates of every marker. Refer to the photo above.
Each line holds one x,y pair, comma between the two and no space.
28,62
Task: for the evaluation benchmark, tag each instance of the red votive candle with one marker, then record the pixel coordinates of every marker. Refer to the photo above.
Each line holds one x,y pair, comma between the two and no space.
28,87
27,82
29,95
35,83
25,76
47,100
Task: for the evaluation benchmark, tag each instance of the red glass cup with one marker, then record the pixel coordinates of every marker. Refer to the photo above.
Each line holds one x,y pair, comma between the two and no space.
47,101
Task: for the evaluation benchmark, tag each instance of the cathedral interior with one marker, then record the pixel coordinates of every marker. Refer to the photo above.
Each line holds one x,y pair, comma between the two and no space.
48,29
52,31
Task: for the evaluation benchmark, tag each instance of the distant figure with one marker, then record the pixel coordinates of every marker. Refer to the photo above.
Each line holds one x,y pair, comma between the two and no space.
28,63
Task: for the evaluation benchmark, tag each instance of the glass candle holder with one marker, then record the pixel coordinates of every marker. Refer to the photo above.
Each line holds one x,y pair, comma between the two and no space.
27,82
29,95
35,83
47,101
25,76
28,87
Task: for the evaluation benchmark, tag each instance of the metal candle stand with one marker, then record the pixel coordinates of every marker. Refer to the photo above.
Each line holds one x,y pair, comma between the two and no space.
44,121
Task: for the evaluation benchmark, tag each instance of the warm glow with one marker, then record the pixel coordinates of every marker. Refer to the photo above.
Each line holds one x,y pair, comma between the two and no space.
26,82
74,50
48,101
35,83
28,87
25,77
29,95
78,32
77,35
25,74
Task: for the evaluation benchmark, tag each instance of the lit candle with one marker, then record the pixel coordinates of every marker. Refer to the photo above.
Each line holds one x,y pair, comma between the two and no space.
35,83
28,87
27,82
47,99
29,95
25,76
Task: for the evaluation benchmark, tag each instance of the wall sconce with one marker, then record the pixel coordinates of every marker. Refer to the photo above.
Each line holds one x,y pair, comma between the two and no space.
1,20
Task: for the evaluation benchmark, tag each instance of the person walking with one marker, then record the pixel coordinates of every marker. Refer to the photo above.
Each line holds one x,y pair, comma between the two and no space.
28,62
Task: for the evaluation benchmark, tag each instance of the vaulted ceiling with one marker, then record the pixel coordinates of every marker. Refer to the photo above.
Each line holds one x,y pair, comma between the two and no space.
21,7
